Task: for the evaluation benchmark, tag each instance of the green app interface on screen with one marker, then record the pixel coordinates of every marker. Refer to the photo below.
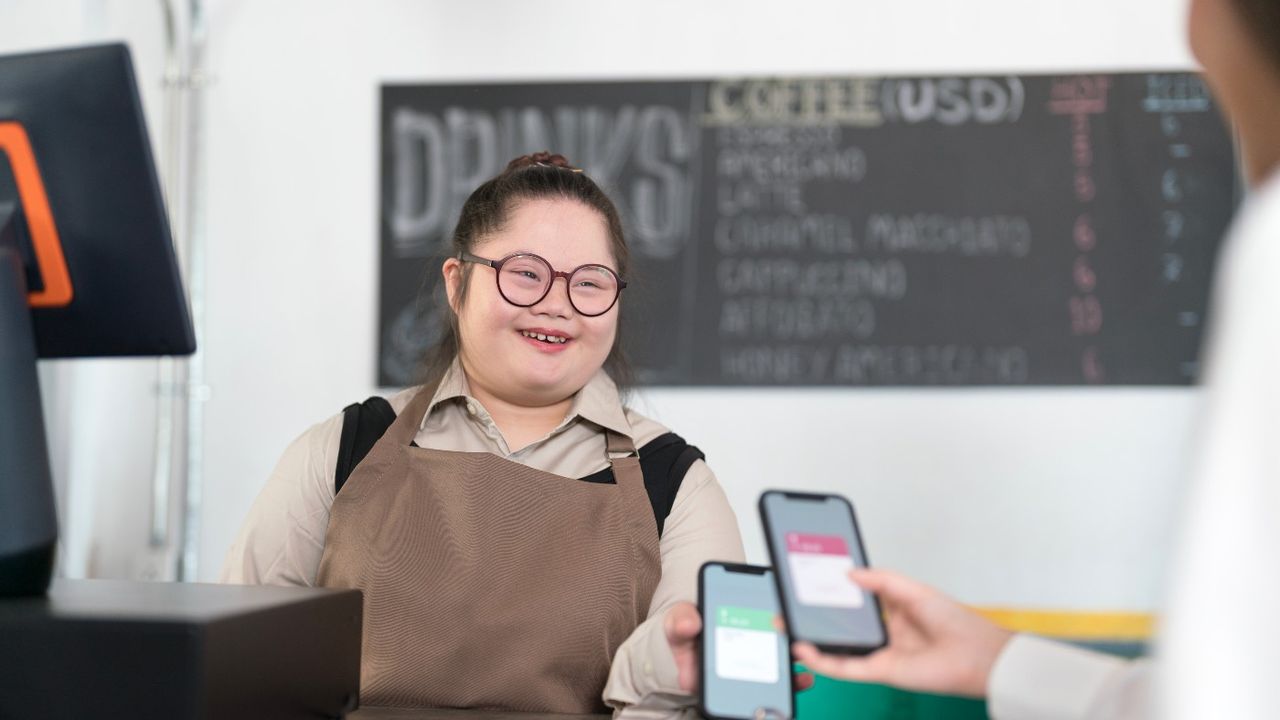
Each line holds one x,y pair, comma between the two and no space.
746,663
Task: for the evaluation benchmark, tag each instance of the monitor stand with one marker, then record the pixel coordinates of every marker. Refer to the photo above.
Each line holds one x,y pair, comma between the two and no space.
28,522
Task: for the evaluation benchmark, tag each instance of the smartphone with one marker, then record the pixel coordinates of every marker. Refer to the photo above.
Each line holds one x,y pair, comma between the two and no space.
745,666
814,541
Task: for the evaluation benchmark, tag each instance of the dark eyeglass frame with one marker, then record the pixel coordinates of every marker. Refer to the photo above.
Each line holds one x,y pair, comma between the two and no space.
554,273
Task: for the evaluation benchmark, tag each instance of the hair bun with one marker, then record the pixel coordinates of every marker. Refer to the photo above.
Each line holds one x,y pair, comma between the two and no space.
545,158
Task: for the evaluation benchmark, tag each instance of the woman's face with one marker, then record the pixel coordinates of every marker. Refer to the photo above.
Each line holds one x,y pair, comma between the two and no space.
497,352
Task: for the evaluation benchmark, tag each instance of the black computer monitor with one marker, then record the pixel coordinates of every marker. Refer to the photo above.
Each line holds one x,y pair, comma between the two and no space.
87,266
81,110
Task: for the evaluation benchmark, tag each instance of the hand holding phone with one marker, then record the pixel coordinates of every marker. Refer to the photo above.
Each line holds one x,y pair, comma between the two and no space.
814,542
745,668
939,646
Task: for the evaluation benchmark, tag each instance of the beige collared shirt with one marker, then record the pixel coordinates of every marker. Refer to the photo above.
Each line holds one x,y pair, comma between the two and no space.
282,539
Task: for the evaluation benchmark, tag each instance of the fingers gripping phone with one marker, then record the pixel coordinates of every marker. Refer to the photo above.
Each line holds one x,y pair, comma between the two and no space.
745,665
814,542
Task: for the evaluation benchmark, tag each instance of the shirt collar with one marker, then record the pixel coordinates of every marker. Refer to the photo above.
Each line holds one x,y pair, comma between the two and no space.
597,402
453,384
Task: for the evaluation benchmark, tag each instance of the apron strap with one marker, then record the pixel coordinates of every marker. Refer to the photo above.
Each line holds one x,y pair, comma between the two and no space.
405,427
620,448
627,472
618,444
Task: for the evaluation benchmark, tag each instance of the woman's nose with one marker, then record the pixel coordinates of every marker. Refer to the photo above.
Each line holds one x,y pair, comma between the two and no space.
556,301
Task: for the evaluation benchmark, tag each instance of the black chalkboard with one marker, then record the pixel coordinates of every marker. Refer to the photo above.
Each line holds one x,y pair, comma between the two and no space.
858,231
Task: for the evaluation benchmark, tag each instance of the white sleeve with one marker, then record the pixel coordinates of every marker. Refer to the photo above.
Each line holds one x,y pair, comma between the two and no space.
701,527
282,538
1038,679
1220,644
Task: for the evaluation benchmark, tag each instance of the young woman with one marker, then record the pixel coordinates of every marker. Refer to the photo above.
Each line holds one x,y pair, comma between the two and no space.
1219,654
516,528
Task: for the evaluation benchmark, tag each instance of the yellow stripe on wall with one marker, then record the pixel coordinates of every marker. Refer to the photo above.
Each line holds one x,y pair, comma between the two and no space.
1074,625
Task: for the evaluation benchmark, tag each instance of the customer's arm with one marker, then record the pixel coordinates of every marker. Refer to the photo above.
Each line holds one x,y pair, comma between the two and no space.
644,680
937,645
1036,679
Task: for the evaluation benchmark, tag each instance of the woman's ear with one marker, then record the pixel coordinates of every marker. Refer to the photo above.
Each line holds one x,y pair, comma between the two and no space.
452,272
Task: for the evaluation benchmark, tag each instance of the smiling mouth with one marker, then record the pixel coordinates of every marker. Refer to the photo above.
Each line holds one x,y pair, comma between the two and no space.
549,339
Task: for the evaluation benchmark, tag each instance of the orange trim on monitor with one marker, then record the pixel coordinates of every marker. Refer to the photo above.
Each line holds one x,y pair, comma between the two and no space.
35,205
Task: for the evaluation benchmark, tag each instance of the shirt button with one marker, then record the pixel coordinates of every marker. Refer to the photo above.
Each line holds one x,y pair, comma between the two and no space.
471,408
648,668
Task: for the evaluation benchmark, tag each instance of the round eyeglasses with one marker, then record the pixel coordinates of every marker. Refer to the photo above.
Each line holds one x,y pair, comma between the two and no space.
524,279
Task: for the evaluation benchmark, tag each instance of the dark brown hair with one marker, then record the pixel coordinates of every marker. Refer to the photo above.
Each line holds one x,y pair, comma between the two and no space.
486,211
1262,17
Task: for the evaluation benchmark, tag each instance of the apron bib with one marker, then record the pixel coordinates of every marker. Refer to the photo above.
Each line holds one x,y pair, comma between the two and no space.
487,583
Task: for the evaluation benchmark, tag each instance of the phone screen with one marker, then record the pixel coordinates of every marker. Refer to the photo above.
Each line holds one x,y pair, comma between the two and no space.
746,662
814,542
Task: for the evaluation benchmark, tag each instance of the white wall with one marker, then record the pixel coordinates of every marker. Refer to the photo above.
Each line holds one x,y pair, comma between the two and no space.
101,414
1038,498
1057,498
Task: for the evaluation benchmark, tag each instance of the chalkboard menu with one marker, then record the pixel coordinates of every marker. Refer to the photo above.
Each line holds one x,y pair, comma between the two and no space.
850,231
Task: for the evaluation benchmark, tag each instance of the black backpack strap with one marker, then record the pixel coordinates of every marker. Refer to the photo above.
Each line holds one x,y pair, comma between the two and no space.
362,425
664,462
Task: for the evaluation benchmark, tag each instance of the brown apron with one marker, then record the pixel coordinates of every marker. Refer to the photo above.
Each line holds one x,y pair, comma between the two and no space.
487,583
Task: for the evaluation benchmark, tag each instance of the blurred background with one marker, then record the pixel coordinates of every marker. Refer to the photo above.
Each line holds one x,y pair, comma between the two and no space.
265,118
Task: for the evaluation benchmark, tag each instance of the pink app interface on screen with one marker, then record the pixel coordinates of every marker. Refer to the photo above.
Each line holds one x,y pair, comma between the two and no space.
820,567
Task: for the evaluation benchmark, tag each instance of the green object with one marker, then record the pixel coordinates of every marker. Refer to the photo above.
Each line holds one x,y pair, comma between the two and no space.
745,619
836,700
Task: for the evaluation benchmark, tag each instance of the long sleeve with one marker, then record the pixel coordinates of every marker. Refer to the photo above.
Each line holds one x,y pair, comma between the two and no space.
1038,679
701,527
282,538
1221,637
1218,655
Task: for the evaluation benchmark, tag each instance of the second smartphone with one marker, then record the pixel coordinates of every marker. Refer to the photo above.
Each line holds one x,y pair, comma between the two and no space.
745,666
814,542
